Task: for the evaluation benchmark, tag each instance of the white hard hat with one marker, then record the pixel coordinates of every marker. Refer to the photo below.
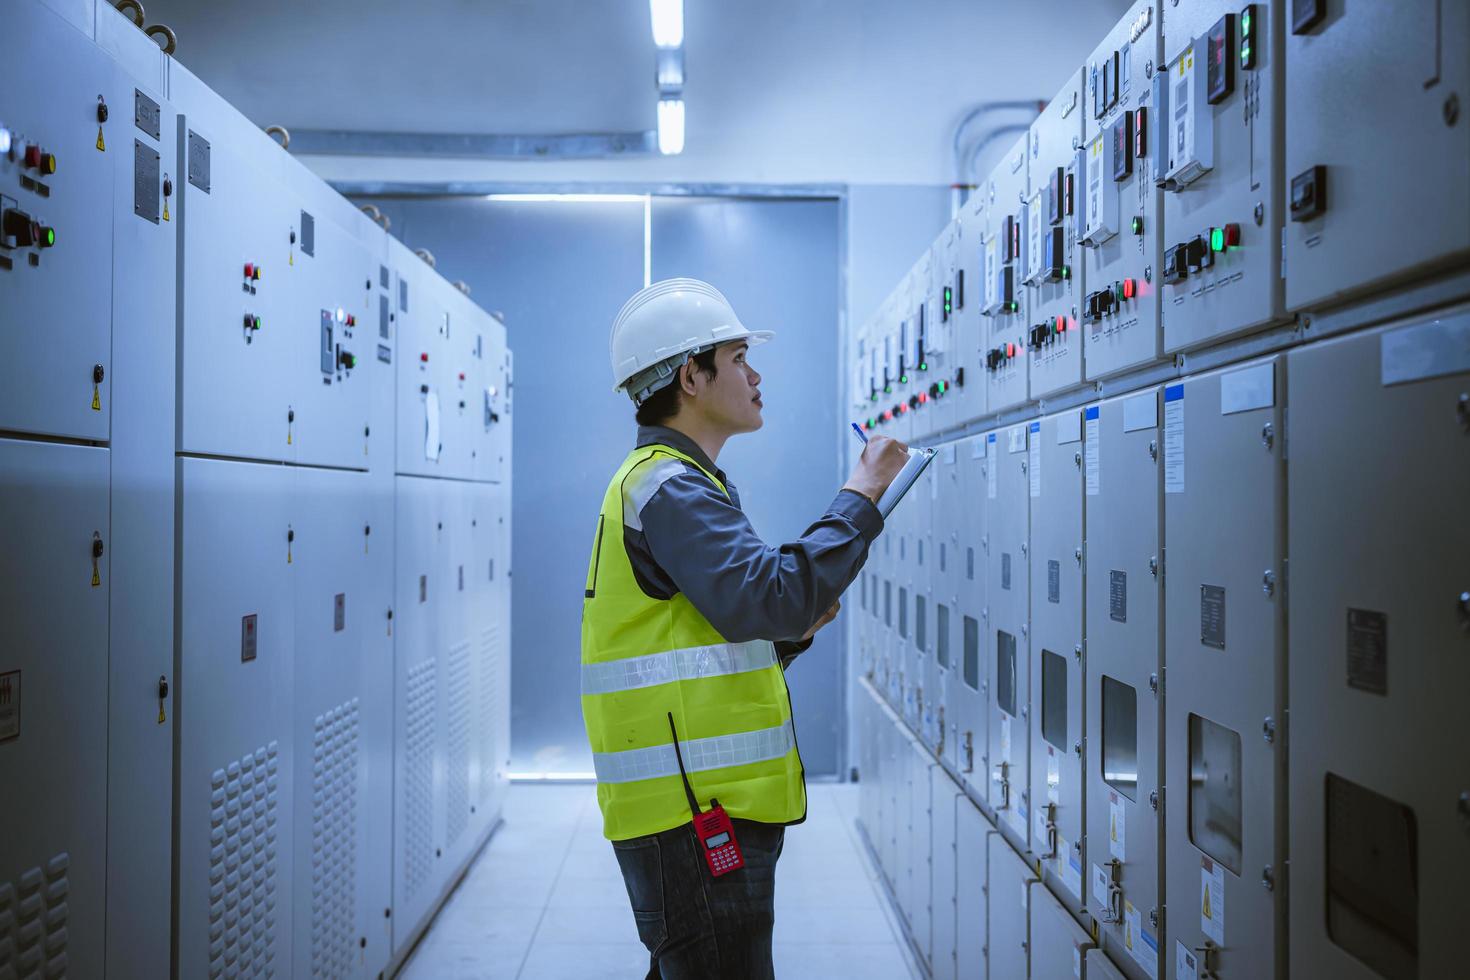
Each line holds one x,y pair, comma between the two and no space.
665,324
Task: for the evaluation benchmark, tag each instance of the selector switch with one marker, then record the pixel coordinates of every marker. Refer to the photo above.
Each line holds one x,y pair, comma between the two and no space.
1309,193
18,229
1176,264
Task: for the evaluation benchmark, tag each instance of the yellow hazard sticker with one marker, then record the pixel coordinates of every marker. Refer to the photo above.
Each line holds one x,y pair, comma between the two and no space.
101,144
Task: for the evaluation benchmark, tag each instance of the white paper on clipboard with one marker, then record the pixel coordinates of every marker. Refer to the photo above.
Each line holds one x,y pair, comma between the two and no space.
918,461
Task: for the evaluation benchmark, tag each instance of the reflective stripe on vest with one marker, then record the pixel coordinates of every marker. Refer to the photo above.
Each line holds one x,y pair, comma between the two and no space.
691,663
700,755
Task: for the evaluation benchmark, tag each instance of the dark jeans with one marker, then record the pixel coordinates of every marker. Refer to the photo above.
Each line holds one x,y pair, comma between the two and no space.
698,927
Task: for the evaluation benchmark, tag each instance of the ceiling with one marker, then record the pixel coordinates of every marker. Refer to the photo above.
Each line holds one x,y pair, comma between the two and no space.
778,91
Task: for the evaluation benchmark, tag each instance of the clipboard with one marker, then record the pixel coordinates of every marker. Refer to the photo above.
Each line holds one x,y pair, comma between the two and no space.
918,461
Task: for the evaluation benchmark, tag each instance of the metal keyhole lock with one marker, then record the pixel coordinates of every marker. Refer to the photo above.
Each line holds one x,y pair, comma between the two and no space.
97,550
162,697
1464,607
1153,450
1268,583
1153,567
1077,459
1268,435
1462,410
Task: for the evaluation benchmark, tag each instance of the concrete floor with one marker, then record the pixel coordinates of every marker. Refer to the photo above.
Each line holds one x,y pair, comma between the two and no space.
545,901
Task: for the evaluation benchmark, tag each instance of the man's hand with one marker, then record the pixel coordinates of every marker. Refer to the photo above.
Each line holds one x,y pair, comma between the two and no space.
877,467
827,617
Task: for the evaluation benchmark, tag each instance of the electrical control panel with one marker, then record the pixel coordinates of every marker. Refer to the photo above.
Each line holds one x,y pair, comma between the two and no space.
1355,218
1121,224
1007,643
1055,212
83,159
968,387
1221,91
1004,259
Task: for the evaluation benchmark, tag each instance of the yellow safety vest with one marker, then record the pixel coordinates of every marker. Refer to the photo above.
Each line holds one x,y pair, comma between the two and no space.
644,658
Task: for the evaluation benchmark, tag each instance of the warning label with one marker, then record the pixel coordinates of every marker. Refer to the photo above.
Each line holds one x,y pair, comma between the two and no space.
1367,651
9,705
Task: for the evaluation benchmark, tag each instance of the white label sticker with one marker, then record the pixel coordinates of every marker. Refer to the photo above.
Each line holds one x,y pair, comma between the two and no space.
1025,896
1053,777
949,453
1091,453
1131,942
977,448
1248,388
1016,439
933,484
9,705
1186,965
1174,439
431,425
1212,900
1072,870
1039,829
1117,828
1076,962
1005,737
1100,883
1069,428
1141,411
1426,350
1034,459
1146,952
991,468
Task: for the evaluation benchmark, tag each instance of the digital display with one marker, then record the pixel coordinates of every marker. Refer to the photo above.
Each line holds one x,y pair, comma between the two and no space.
1220,68
1123,147
1248,37
717,840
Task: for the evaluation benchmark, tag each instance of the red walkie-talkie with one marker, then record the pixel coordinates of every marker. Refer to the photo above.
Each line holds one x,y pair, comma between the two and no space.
712,828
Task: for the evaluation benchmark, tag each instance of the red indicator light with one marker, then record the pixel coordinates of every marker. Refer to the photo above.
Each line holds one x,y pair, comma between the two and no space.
888,416
461,375
1130,288
249,270
424,358
1061,324
923,398
33,156
1232,236
1010,349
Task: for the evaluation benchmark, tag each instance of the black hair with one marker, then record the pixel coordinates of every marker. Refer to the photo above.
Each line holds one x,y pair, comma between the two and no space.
664,403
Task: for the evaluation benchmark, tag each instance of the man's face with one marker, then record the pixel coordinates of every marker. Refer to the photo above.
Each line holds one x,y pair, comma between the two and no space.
731,400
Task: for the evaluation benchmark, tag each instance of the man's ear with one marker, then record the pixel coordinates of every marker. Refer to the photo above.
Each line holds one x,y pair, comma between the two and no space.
686,377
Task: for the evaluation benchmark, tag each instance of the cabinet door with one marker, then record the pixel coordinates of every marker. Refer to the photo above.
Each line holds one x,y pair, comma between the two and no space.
53,704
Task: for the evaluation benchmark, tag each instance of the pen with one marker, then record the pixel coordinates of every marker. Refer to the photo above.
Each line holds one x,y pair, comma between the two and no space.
859,430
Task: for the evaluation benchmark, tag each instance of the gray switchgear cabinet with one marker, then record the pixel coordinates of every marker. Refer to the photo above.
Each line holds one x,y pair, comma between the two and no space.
1058,669
1225,657
1378,643
1123,490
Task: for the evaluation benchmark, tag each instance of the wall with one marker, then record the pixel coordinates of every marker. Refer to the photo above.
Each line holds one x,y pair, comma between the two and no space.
777,263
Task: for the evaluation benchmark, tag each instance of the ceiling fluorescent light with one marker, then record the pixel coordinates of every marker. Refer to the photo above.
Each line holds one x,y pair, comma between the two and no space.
670,126
568,198
668,22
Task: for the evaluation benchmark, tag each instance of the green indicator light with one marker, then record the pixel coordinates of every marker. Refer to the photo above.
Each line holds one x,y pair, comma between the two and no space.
1217,239
903,379
50,236
1066,272
924,367
1118,291
888,389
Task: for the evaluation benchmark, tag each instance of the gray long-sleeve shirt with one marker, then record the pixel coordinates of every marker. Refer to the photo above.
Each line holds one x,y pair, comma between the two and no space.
683,535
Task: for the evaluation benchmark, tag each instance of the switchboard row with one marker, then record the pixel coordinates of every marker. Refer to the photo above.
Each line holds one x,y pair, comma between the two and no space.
254,539
1175,674
1212,170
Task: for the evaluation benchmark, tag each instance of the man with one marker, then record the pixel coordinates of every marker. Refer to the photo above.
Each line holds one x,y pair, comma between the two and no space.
688,622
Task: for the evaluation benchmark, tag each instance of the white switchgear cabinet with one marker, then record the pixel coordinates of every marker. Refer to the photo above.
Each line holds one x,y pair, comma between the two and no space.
1058,944
1225,631
945,489
1004,263
1055,210
944,801
1121,223
1378,546
1223,204
1122,463
973,837
1010,884
1377,164
1057,670
1007,642
970,687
